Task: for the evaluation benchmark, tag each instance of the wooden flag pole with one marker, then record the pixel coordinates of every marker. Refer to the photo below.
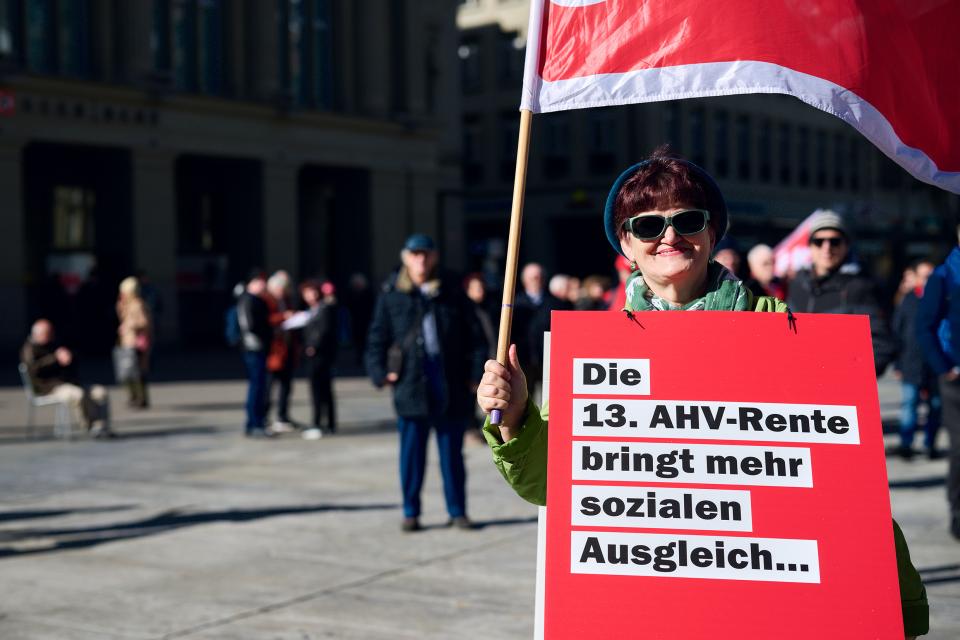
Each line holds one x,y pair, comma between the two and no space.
513,244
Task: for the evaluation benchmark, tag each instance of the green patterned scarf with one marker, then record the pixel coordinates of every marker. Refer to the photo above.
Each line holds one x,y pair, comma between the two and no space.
724,293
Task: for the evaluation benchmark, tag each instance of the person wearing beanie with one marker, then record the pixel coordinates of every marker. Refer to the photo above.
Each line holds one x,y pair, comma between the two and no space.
833,285
666,215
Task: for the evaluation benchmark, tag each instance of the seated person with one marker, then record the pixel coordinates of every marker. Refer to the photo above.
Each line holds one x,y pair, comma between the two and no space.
52,373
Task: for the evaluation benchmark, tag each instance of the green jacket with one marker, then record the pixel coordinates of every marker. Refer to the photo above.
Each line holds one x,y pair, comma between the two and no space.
523,463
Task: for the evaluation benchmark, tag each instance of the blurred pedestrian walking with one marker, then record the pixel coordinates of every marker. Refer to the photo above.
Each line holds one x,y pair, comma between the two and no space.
476,290
938,331
426,343
53,372
256,336
918,382
525,305
284,348
832,285
763,280
320,352
555,300
729,257
594,294
135,333
574,291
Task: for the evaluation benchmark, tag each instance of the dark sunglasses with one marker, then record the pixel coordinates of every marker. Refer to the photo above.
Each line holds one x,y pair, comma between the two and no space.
650,227
833,242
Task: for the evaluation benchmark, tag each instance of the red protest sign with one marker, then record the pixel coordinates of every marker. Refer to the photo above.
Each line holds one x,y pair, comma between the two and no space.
716,475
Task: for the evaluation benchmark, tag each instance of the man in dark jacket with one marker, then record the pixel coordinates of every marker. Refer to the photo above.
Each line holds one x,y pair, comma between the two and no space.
256,335
425,342
917,380
938,331
834,286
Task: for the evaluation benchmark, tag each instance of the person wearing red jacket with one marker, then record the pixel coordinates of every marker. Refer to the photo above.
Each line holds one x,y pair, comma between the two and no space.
284,347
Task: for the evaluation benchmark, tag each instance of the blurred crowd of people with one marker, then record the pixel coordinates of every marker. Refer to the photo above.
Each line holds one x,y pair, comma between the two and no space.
277,326
407,337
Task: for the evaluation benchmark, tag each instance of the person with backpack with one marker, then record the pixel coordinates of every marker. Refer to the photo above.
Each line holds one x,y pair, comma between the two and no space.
938,332
256,335
231,321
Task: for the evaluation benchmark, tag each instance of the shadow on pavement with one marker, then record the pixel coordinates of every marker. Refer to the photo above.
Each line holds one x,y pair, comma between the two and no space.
28,514
208,406
38,540
503,522
121,434
163,433
940,575
482,524
918,483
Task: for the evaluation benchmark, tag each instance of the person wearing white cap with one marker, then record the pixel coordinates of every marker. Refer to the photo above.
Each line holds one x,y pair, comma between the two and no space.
832,285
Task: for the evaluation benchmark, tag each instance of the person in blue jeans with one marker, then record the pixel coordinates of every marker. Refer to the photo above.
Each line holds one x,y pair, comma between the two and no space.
256,334
938,332
426,343
917,380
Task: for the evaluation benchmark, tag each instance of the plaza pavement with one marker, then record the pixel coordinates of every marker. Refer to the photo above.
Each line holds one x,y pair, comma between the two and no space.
183,529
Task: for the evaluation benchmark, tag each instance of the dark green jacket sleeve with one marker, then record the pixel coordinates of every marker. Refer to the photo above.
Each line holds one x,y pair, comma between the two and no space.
913,596
523,460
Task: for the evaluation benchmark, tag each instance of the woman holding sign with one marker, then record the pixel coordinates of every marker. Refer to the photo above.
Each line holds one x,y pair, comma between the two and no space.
665,215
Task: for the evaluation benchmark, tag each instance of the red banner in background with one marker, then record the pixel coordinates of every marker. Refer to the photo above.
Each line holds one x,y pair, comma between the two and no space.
888,68
716,475
8,103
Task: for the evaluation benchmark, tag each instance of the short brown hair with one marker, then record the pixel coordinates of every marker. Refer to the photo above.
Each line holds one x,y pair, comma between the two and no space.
311,284
667,181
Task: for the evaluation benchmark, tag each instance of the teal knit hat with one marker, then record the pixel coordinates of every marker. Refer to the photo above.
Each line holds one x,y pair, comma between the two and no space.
718,219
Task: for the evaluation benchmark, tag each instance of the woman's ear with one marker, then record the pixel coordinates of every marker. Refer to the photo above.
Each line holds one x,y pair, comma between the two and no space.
626,247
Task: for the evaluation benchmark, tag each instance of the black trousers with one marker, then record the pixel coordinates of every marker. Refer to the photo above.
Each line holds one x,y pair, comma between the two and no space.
321,392
284,378
950,396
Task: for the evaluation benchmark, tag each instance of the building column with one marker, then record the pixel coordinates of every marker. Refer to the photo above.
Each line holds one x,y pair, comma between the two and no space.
388,208
135,38
13,320
155,233
263,49
373,59
281,248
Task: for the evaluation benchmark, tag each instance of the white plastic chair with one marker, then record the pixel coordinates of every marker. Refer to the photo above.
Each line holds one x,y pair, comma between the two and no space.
63,421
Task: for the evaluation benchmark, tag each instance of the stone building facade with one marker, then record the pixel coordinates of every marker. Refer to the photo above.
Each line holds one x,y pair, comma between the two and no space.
197,139
775,158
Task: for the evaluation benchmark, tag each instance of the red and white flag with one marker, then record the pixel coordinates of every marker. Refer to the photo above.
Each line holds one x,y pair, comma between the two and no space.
889,68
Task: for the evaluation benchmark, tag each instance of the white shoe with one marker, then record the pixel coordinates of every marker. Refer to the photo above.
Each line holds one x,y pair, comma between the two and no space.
280,427
311,434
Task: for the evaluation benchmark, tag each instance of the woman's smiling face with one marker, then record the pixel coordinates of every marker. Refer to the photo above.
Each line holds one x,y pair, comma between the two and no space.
672,258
